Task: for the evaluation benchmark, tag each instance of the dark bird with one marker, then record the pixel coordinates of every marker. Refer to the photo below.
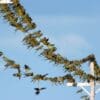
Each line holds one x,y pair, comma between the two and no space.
44,75
28,74
17,75
27,68
1,53
38,90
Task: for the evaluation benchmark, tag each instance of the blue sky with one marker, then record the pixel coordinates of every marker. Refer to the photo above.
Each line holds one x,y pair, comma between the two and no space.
72,25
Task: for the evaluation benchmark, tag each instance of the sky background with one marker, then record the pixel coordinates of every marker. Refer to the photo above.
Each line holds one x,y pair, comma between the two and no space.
72,25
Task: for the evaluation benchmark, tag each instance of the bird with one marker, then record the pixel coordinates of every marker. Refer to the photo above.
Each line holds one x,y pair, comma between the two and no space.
29,74
1,53
17,75
27,68
37,34
39,77
39,48
38,90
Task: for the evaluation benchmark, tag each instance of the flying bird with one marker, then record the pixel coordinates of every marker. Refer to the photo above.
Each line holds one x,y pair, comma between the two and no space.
38,90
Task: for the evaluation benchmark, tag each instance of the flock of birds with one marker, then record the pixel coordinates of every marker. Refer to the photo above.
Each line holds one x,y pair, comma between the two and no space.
17,17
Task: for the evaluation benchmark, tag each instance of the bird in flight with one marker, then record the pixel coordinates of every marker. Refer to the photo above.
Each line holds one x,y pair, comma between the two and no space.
38,90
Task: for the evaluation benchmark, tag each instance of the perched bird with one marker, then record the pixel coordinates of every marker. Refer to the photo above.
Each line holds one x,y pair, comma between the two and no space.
17,75
11,64
37,34
39,48
31,41
27,68
39,77
60,80
44,75
8,61
97,79
1,53
45,41
29,74
38,90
